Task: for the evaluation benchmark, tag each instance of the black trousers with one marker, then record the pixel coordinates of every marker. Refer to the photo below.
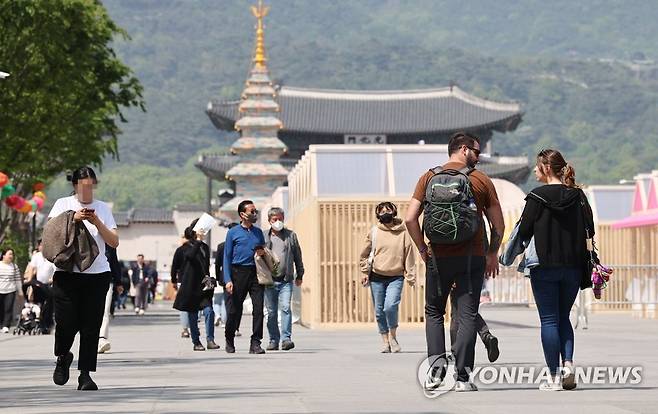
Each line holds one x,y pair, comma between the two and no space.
481,326
453,270
43,297
245,281
79,306
7,301
228,299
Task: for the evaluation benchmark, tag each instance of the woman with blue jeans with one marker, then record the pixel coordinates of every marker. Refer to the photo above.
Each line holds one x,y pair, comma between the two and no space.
387,259
559,218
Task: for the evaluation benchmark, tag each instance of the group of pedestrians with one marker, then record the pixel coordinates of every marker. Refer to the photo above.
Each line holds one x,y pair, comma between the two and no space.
235,267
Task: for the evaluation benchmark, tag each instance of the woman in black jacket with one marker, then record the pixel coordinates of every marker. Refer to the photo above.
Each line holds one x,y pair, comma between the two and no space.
190,266
558,216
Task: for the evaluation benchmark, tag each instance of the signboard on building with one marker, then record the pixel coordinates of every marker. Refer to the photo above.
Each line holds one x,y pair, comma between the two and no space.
365,139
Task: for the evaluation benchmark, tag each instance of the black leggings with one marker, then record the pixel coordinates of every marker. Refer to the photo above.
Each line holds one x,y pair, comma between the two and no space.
7,301
79,306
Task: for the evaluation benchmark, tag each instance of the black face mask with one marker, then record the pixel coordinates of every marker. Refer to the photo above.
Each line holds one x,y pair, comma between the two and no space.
251,218
385,218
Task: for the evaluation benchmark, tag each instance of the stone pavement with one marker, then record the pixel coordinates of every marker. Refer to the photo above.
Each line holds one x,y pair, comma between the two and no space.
150,369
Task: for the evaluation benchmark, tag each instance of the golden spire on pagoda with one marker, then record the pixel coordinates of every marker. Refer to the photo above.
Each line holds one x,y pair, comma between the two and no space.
259,13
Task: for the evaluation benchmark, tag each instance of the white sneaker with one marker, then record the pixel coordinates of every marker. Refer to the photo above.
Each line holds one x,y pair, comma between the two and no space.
136,311
550,386
5,330
395,346
141,311
431,383
103,345
463,386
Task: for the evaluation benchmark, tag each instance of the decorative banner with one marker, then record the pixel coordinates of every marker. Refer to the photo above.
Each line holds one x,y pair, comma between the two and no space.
17,202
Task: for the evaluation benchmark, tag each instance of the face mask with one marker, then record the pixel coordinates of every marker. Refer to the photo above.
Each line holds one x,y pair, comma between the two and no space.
277,225
386,218
251,218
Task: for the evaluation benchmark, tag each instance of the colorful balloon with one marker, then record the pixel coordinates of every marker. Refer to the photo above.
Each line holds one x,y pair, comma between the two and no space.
39,186
12,201
33,205
7,190
27,207
3,179
40,194
39,202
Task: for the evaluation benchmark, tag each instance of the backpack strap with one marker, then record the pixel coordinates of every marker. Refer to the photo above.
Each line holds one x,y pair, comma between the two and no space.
436,170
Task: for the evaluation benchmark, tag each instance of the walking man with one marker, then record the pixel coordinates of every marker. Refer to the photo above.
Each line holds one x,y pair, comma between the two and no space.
240,275
454,197
284,244
142,277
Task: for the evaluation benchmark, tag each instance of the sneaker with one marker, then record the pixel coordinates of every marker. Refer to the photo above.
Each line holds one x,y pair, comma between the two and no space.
61,374
85,383
136,311
141,312
287,345
256,349
395,346
230,347
465,386
199,347
212,345
103,345
434,381
550,386
386,348
5,329
491,343
569,379
185,333
273,346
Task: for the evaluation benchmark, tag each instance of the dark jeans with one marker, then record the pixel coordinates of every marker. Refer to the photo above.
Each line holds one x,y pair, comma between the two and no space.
7,301
453,270
79,306
245,281
209,318
555,292
481,326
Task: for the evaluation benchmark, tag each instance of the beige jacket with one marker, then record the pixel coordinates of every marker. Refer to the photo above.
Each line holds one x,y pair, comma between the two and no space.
394,252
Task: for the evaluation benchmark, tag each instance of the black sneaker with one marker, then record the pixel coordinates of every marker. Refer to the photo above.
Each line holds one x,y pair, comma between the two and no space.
230,347
199,347
256,349
85,383
61,374
287,345
491,343
273,346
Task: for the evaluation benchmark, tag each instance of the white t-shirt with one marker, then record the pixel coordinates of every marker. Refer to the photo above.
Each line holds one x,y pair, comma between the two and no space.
44,268
104,214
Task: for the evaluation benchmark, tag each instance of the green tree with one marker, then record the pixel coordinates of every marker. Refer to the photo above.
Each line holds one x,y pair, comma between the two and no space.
66,92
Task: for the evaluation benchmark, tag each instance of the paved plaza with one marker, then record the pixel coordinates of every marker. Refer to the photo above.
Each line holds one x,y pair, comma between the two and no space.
150,369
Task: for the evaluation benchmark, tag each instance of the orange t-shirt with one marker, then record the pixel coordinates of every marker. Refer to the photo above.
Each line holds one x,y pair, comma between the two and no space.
485,197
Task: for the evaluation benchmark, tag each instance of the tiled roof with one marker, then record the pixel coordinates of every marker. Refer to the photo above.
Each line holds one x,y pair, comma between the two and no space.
380,112
143,215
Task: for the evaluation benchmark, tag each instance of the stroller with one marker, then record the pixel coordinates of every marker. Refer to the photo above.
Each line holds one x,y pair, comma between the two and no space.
28,320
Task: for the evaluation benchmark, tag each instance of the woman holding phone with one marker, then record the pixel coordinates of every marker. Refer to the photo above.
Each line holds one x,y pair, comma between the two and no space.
79,296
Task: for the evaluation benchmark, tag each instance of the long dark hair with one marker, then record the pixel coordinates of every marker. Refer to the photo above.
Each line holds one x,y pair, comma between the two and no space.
559,166
4,251
189,233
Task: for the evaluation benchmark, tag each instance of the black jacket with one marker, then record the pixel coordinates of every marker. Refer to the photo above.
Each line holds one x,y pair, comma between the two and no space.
190,265
558,217
115,266
219,264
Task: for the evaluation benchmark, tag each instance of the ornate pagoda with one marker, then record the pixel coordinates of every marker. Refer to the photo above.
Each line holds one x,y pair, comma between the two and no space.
257,170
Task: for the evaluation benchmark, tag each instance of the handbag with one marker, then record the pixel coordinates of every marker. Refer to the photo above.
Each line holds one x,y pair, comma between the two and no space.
371,256
595,274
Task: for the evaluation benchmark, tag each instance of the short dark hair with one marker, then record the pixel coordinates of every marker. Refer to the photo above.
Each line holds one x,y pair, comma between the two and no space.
242,207
189,233
3,252
459,139
140,255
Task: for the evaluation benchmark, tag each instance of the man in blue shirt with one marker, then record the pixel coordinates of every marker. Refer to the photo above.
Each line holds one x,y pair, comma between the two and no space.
240,275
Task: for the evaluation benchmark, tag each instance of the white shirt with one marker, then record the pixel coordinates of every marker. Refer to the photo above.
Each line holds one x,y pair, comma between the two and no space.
44,268
104,213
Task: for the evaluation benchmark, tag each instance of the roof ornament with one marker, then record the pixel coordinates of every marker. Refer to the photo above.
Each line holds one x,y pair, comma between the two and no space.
259,13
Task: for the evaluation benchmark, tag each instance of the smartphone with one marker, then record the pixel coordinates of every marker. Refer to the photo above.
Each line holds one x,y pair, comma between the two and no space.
89,210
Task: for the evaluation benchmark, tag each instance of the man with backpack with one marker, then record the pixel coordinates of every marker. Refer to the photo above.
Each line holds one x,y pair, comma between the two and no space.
453,198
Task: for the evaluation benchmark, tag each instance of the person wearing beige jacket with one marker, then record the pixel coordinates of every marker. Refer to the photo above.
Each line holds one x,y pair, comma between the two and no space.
387,260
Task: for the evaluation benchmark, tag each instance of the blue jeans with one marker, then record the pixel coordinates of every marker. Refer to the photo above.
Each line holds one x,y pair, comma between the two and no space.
386,297
279,297
555,292
219,306
209,316
184,321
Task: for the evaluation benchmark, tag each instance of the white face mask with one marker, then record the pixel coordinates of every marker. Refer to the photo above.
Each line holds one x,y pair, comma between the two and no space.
277,225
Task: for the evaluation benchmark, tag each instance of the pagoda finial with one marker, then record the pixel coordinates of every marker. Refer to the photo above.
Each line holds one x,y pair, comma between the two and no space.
259,13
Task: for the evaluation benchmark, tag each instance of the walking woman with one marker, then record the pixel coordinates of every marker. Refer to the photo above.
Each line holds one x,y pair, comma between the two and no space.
387,259
557,215
10,286
191,267
79,293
